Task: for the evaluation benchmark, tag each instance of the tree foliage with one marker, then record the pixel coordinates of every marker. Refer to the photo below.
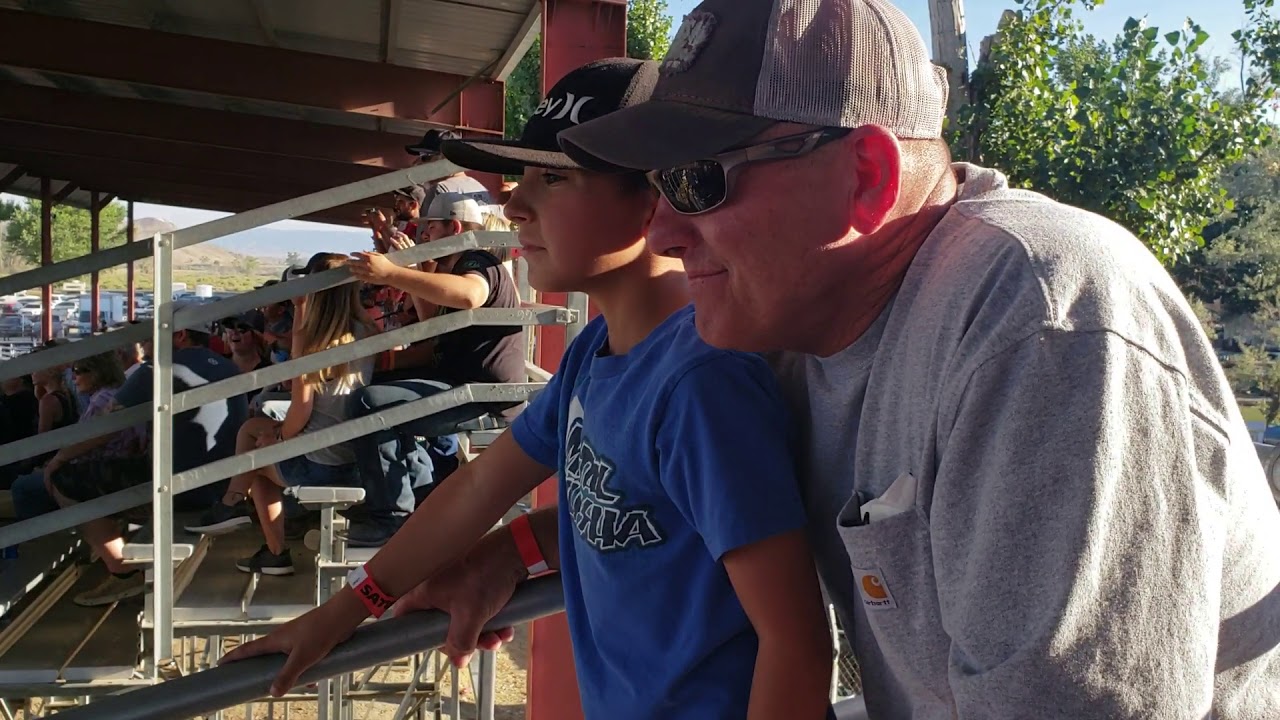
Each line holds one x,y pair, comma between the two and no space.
1135,129
71,229
648,37
7,209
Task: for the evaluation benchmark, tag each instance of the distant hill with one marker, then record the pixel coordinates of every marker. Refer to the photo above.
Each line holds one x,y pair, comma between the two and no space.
277,243
207,256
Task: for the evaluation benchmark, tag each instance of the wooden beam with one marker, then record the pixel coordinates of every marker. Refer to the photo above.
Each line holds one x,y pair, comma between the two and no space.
950,51
64,193
106,200
264,22
520,45
14,176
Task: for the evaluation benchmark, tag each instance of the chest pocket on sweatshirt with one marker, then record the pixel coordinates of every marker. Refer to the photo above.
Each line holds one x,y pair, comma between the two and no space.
892,563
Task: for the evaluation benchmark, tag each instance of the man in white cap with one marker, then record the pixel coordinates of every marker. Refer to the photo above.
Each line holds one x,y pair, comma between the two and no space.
1030,489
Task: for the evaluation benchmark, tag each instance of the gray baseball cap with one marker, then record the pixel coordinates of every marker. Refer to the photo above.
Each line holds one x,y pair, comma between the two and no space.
735,68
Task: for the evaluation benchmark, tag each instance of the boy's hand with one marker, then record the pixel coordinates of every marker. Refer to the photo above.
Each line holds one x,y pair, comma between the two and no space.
373,268
306,639
471,592
400,241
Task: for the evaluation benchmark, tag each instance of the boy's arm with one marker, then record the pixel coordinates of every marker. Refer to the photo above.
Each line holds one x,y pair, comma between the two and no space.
461,292
777,584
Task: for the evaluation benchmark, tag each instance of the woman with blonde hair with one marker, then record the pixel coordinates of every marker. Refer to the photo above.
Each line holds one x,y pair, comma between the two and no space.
323,320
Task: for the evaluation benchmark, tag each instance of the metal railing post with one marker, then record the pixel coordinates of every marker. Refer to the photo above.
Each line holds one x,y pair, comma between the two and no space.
162,452
579,303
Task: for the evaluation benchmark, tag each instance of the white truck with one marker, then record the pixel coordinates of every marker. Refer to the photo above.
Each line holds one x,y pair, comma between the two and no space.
111,309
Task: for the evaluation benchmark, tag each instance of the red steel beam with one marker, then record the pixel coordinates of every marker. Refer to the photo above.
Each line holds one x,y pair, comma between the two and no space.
95,284
21,137
213,128
93,49
46,256
130,282
574,32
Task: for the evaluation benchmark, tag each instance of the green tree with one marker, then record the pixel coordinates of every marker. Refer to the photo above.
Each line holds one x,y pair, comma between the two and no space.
648,37
249,265
293,258
7,209
1135,129
71,228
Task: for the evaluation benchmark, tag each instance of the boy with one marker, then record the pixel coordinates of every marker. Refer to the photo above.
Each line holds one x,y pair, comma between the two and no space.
689,586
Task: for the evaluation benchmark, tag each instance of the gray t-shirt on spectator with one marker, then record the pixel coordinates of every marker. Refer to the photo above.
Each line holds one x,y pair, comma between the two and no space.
1085,527
330,406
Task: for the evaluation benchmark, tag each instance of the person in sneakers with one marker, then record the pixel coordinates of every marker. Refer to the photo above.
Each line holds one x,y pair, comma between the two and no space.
200,436
400,464
689,586
324,320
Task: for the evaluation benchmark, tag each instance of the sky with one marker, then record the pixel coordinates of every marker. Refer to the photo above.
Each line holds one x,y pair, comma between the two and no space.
981,17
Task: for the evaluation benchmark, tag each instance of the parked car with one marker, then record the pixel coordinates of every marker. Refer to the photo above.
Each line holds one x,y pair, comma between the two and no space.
15,326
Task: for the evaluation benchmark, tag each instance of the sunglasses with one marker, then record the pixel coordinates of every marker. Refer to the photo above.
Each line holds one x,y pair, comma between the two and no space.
239,327
80,370
704,185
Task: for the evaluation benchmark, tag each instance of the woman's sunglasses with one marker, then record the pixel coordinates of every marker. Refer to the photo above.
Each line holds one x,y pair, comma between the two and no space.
704,185
80,370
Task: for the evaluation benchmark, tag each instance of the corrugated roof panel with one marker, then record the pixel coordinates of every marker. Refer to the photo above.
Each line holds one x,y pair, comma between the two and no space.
444,35
116,12
349,20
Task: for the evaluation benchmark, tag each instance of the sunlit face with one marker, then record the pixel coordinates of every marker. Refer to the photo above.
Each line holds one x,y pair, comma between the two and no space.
240,337
753,262
576,226
440,229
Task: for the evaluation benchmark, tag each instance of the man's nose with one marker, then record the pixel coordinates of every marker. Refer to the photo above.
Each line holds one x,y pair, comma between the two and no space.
669,232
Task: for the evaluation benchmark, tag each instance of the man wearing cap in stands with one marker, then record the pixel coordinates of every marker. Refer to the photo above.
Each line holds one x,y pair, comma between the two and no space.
1030,490
427,150
200,436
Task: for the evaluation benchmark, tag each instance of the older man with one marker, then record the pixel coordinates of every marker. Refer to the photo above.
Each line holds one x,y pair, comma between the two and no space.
1030,489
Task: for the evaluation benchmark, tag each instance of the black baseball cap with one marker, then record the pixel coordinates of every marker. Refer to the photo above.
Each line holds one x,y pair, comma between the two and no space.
416,193
253,319
430,142
589,92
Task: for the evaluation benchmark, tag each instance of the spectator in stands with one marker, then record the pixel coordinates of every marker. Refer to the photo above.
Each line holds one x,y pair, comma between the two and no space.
131,355
200,436
689,586
396,468
326,319
427,150
244,336
21,416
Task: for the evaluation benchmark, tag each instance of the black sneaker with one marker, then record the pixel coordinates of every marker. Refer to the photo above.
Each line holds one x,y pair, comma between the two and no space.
266,562
373,533
221,519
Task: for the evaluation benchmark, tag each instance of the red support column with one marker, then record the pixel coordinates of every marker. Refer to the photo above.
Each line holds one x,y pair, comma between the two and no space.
574,33
46,257
95,283
130,288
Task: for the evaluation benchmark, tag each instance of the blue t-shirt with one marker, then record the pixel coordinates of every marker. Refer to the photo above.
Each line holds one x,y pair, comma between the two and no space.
669,457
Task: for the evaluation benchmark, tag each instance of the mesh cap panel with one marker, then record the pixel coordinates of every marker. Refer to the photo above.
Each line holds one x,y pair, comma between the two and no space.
848,63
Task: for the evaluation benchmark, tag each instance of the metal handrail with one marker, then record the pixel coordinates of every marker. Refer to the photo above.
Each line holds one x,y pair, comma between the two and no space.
80,513
246,382
236,304
196,234
233,684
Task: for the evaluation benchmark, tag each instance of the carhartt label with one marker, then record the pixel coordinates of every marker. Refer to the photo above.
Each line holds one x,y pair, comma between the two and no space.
874,589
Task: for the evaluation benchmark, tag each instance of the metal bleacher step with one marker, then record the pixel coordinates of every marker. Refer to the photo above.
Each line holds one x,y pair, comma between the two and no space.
220,599
37,563
73,644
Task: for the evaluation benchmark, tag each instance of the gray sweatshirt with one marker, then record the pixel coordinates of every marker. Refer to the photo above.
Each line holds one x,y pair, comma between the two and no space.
1079,525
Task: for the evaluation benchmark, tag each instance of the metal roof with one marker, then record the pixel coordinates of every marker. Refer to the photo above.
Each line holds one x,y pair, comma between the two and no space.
462,37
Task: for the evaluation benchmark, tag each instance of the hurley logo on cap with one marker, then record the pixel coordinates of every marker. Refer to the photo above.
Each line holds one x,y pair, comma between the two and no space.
695,33
566,107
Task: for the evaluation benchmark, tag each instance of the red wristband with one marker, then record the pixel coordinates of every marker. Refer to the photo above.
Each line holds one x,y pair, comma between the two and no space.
374,599
527,546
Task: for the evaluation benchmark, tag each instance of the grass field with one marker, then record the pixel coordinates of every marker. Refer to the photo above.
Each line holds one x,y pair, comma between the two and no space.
1252,413
115,280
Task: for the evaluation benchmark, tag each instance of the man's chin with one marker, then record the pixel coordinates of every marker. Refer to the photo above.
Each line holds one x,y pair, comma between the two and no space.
727,330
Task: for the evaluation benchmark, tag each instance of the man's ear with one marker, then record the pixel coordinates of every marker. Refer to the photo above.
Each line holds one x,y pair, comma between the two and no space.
455,227
877,164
